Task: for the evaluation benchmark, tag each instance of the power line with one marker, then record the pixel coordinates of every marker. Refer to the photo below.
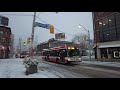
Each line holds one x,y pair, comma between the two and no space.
39,13
55,28
38,18
17,14
41,20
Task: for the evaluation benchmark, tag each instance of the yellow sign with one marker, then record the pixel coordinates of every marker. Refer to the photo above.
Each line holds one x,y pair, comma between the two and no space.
51,29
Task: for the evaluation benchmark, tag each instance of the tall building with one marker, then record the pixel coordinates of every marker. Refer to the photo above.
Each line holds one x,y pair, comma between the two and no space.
106,27
5,34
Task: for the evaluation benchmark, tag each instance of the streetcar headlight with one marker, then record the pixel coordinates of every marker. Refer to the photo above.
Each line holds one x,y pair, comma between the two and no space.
80,59
68,59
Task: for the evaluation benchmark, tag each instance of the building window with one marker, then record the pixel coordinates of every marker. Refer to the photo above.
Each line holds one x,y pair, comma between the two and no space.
100,24
118,33
101,37
97,25
1,37
117,18
107,28
112,33
111,20
105,23
106,34
99,13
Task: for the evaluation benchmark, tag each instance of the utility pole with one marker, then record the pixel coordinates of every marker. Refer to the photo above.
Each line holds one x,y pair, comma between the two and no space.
20,40
89,44
32,35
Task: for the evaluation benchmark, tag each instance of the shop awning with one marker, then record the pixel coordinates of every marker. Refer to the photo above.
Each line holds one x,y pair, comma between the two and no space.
108,46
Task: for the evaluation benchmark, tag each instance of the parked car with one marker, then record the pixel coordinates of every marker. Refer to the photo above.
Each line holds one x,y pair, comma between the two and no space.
23,54
17,55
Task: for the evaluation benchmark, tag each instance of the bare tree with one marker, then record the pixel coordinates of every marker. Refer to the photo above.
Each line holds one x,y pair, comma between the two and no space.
80,39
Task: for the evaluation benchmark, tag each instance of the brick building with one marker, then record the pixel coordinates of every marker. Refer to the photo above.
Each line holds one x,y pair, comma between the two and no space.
106,27
5,33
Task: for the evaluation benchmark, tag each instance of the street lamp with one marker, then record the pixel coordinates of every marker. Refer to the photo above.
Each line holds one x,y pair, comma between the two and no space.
88,32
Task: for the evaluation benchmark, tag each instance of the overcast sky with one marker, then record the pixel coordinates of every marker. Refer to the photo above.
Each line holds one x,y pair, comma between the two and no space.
67,22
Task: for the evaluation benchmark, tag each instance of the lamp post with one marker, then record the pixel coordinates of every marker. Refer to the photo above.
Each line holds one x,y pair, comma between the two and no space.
88,32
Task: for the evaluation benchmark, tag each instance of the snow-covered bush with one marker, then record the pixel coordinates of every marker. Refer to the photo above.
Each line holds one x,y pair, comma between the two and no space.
28,61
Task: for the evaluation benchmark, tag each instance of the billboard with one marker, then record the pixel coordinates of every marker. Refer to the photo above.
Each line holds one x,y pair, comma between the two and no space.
60,36
4,21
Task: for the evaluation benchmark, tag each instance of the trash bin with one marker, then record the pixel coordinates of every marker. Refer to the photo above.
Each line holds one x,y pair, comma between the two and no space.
30,65
31,69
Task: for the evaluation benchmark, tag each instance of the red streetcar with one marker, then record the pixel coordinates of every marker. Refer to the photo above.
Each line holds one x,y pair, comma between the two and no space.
62,54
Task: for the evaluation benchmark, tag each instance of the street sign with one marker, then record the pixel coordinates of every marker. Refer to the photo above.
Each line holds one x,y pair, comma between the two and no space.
47,26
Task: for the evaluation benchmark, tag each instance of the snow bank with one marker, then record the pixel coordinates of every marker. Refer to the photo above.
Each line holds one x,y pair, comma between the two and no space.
14,68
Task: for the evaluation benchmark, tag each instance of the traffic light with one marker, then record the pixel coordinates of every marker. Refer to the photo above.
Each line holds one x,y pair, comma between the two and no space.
49,45
28,40
51,29
24,43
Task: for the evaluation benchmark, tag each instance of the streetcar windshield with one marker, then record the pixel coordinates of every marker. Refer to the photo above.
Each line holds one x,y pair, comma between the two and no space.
72,53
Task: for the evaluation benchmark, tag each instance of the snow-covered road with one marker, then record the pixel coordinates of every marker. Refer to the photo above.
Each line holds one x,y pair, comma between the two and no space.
14,68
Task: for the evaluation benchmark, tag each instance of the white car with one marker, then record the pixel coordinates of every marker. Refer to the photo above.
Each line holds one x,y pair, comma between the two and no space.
23,55
17,55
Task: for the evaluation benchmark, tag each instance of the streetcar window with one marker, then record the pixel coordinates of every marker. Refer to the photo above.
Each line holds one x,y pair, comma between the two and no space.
73,53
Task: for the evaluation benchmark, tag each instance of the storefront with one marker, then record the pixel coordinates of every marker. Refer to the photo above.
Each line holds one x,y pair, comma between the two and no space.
3,52
110,51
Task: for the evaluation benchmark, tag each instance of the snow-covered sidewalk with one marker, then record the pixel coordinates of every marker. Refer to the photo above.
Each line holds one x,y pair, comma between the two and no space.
110,64
14,68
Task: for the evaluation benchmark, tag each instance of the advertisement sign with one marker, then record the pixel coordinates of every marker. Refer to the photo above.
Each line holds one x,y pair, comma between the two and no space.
60,36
